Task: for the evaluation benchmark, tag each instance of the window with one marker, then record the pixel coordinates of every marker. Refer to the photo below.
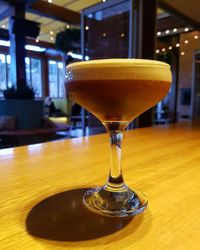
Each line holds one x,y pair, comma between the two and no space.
5,72
56,79
33,74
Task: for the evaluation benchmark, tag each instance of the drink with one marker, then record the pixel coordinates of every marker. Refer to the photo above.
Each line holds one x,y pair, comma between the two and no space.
117,98
123,100
116,91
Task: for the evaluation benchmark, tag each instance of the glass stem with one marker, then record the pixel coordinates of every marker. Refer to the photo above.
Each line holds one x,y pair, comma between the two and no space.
115,180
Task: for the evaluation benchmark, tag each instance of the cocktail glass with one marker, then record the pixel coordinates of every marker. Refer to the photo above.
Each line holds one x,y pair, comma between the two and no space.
116,91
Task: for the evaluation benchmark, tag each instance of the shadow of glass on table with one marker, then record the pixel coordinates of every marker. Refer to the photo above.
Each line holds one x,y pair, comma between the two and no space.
63,217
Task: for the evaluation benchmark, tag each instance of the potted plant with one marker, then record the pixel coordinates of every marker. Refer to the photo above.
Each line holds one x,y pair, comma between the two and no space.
68,40
21,104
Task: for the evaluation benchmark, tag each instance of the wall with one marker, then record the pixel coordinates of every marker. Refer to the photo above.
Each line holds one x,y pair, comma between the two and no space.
186,69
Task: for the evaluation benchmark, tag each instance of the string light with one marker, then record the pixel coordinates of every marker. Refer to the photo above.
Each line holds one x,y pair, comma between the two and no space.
104,34
68,26
177,45
122,35
86,27
174,30
51,32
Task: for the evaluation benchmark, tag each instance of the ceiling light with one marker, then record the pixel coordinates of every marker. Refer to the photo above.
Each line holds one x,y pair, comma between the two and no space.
27,47
4,43
34,48
52,62
77,56
175,30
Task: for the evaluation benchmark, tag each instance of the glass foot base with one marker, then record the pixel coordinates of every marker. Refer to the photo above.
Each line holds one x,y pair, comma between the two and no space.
115,203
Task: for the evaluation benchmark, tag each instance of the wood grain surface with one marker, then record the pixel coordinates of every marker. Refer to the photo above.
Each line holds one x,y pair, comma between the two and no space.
41,189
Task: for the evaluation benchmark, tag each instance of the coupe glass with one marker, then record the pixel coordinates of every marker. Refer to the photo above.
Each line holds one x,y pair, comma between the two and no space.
116,91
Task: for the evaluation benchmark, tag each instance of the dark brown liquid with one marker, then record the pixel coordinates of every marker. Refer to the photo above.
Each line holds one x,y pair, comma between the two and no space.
117,100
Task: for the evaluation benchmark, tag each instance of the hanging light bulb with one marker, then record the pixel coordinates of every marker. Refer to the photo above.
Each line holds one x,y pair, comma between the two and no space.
158,33
157,51
196,37
163,49
182,53
167,31
175,30
51,32
178,45
170,48
186,29
186,42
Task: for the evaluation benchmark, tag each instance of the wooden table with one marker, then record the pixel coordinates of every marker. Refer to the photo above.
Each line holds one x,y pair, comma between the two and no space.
41,188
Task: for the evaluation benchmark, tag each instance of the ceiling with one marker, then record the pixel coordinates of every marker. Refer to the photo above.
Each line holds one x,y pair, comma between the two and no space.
50,27
189,8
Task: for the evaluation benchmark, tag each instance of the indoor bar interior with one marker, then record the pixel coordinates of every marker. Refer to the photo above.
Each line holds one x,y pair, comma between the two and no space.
99,124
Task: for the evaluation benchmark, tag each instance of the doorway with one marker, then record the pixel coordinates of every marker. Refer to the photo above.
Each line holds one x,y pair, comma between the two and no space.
196,86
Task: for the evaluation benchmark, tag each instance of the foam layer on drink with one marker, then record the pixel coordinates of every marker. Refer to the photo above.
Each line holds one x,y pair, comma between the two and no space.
137,69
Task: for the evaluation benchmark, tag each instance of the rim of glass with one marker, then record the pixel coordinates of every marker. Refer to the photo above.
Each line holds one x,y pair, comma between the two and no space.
119,62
